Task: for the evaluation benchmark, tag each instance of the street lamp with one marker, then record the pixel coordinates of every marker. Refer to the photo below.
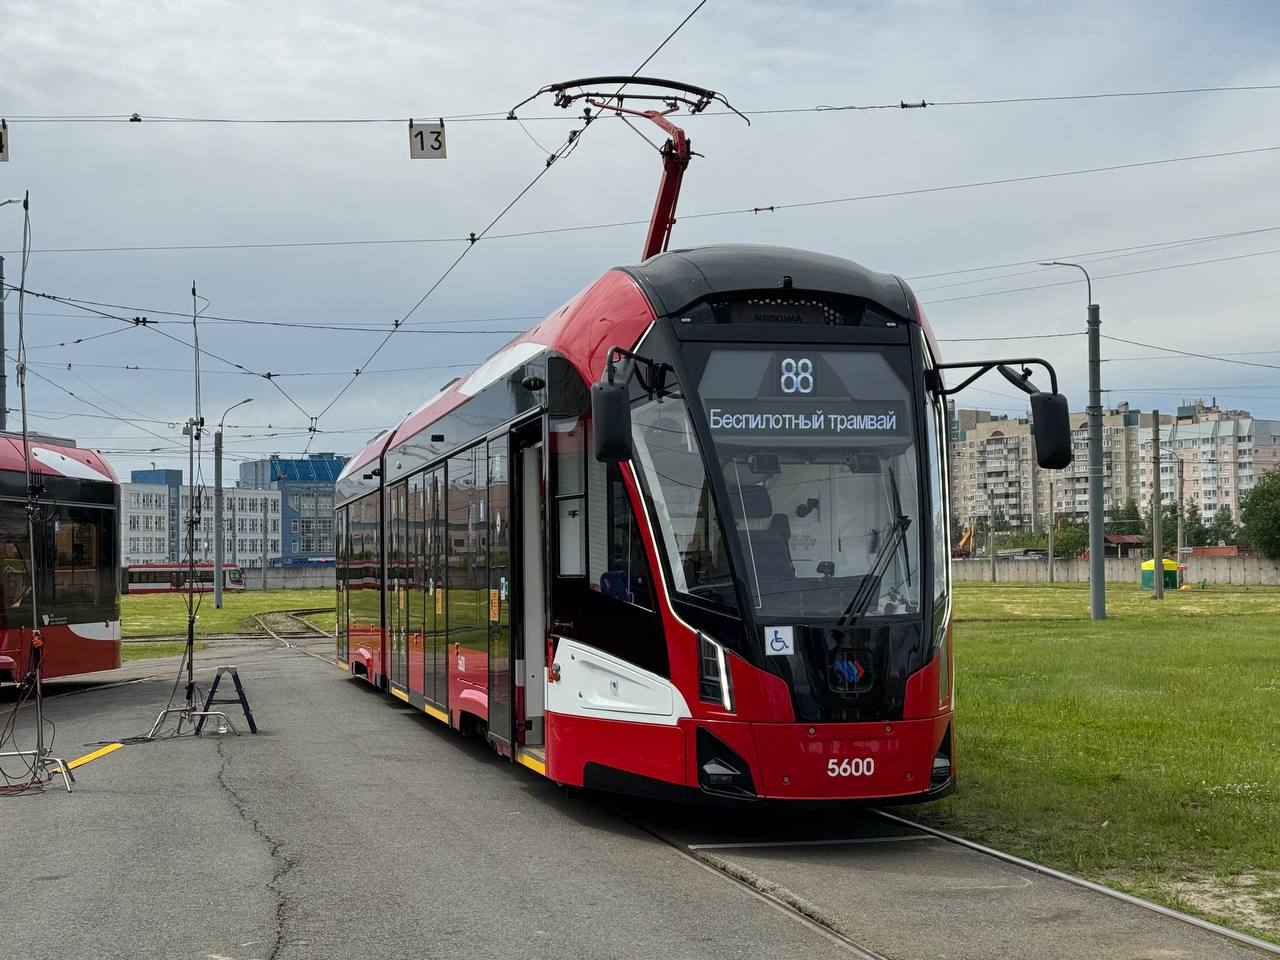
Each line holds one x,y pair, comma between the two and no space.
219,548
1097,566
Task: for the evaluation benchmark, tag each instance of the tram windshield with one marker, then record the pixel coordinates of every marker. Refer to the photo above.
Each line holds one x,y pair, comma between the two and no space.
817,452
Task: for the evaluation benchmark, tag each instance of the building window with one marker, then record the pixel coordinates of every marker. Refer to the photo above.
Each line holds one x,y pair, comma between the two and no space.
295,545
293,528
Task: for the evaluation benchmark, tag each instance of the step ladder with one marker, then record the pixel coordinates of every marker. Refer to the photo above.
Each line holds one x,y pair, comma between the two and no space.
239,698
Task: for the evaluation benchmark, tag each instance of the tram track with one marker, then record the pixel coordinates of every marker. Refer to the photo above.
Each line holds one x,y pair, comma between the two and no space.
1235,936
773,895
307,631
769,882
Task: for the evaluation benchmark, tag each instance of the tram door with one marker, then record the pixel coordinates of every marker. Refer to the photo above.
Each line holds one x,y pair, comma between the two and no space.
435,686
531,630
499,596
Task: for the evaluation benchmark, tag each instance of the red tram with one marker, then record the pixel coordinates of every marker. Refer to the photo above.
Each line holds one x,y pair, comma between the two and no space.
176,578
688,537
77,560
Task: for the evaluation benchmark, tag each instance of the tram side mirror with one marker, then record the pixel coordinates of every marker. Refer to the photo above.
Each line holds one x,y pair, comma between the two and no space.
611,418
1052,422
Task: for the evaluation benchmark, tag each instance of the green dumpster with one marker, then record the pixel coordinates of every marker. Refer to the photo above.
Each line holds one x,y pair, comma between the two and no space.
1170,574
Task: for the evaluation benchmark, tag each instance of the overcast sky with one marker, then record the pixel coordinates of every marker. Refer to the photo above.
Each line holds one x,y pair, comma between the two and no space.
153,183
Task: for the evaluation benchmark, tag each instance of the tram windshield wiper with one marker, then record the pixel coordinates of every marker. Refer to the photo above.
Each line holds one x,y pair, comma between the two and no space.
869,587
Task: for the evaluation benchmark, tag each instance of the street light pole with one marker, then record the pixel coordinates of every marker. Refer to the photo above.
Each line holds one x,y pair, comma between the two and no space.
1157,512
1053,520
219,546
1097,565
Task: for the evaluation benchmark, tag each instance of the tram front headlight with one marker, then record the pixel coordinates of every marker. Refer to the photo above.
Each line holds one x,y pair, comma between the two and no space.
715,682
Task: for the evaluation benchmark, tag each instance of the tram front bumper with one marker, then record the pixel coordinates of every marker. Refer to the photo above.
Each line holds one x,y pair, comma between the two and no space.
881,761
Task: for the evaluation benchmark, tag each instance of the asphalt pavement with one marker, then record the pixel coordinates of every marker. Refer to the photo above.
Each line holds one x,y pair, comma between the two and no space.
354,826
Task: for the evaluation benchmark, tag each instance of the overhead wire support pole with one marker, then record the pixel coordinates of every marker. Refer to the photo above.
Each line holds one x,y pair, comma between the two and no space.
1097,556
1157,513
42,763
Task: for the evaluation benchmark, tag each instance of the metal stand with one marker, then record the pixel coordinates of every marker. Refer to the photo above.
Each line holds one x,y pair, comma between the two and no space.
40,757
190,710
240,698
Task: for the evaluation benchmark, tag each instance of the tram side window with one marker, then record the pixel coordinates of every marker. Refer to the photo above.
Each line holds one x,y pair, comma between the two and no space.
568,451
602,593
935,434
619,567
15,583
80,565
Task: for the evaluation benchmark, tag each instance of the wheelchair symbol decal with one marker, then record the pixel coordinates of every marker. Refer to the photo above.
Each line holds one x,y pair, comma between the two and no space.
779,641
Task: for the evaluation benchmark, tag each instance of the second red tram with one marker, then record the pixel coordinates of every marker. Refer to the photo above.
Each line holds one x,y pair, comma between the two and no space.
176,578
77,561
687,537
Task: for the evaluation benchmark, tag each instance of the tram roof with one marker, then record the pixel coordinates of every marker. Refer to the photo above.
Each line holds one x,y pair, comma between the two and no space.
677,279
667,283
54,459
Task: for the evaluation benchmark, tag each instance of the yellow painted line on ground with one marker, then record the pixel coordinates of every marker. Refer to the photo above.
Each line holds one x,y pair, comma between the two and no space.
343,664
537,766
399,695
109,748
438,714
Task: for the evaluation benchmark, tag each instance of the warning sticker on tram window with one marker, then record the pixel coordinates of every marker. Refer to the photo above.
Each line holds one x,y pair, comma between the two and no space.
779,641
495,602
801,419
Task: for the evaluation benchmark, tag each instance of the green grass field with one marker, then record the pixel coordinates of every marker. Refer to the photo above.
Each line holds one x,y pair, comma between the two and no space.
1142,751
149,651
165,614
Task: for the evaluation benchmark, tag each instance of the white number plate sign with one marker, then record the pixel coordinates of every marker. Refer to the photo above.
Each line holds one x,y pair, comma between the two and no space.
426,141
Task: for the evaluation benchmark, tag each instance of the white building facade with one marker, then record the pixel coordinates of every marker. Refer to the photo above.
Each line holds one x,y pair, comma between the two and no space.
250,525
144,523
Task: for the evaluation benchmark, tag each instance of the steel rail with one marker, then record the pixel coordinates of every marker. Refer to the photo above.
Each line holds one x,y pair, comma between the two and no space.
286,642
1271,949
810,918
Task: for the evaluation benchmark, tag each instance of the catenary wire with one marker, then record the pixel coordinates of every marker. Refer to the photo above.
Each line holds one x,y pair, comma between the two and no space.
740,211
499,116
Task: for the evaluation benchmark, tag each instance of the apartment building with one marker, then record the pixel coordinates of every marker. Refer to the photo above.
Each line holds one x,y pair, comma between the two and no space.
1221,458
994,470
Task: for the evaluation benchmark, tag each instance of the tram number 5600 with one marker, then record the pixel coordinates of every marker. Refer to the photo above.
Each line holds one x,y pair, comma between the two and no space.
851,767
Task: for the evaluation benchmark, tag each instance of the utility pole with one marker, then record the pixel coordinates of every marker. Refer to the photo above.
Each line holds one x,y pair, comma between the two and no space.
991,532
4,417
219,546
1097,564
1052,523
264,539
1182,527
1157,511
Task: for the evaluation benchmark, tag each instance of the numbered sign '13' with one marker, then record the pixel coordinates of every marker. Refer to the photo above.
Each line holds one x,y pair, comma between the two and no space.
426,141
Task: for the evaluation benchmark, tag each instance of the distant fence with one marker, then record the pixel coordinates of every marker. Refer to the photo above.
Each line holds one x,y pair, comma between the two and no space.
1234,570
290,578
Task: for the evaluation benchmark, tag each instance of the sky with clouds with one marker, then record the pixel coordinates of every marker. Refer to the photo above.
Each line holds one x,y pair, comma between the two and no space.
129,185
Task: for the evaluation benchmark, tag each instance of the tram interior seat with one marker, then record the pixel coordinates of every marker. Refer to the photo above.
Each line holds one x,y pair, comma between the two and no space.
770,546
